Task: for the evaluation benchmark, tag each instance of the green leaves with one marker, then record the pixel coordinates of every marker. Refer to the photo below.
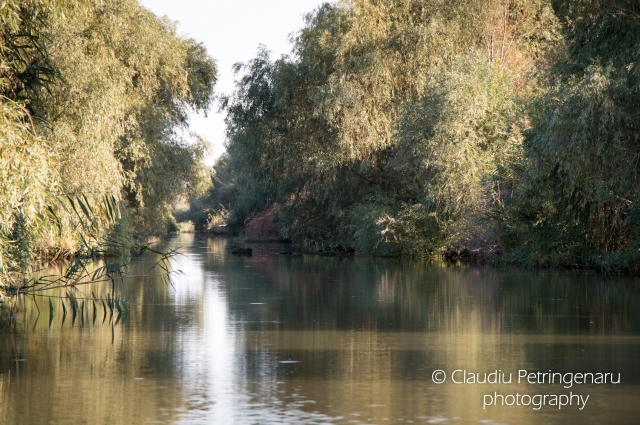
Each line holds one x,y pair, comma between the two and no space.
93,97
581,156
385,105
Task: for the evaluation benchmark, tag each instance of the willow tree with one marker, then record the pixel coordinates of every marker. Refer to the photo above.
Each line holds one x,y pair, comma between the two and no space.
278,144
430,101
579,199
95,98
128,84
27,173
370,116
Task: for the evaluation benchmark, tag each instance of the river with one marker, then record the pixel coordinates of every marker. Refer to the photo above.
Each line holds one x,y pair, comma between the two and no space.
286,339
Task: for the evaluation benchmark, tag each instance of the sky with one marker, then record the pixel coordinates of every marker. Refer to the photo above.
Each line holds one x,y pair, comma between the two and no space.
231,30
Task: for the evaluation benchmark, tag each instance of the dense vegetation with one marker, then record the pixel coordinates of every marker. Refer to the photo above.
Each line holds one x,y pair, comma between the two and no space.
95,95
500,128
411,127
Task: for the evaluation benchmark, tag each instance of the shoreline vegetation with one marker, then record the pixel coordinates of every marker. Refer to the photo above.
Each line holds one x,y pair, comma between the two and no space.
95,98
496,130
501,130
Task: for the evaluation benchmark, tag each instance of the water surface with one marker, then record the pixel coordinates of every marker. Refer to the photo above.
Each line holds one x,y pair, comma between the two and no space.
276,338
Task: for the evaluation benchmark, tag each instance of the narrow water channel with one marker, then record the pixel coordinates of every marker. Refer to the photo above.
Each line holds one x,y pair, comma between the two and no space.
275,338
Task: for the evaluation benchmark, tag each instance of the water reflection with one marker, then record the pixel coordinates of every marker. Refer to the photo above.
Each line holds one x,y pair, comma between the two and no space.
305,339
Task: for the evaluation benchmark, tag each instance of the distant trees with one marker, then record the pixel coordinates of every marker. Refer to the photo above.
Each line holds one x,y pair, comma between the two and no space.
408,127
94,94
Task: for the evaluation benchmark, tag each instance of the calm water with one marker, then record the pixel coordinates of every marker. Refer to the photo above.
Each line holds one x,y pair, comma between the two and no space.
274,339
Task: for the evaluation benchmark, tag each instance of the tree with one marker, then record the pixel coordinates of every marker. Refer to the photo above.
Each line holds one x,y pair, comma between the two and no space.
95,97
580,182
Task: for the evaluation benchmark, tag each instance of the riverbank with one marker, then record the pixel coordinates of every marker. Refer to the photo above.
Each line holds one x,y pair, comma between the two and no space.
446,147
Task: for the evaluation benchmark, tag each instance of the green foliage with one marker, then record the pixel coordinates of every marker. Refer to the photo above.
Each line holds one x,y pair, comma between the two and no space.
580,188
383,106
392,48
395,230
186,227
95,98
125,98
26,171
456,139
409,127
